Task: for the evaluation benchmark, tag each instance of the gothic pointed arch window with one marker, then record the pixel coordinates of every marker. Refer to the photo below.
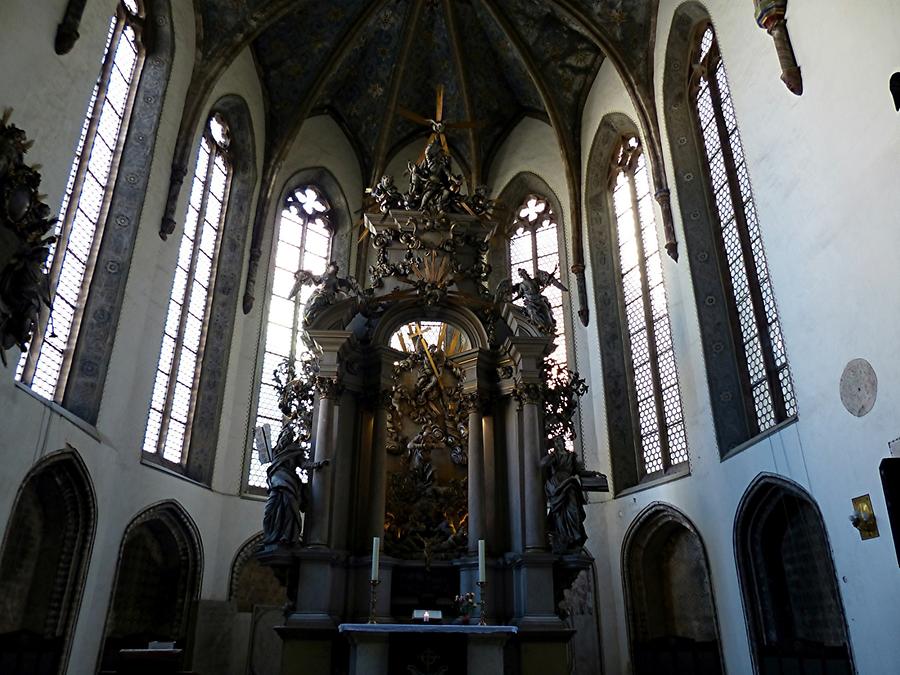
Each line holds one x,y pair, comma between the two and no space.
85,207
756,328
178,370
303,242
649,352
535,244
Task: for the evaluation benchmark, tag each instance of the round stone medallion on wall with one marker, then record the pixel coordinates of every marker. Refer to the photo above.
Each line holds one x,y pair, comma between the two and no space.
859,387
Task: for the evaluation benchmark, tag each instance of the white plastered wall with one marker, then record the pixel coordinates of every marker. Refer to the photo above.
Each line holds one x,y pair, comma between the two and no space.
50,94
826,196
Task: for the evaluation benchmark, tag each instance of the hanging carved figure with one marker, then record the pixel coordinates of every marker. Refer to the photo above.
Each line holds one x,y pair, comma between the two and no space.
530,289
24,242
565,497
387,195
330,288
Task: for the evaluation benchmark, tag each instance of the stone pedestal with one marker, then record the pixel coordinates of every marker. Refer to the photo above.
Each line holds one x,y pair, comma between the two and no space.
370,645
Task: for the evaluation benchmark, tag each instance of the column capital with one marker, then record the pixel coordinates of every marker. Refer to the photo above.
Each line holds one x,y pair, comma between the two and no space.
328,387
528,393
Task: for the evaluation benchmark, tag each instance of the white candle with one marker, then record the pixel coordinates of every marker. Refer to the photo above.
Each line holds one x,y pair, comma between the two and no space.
376,551
481,577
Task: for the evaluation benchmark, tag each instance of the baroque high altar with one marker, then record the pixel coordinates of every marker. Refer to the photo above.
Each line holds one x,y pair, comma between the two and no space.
427,414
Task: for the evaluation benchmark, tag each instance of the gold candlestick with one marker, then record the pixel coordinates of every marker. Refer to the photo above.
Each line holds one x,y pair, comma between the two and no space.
481,584
372,597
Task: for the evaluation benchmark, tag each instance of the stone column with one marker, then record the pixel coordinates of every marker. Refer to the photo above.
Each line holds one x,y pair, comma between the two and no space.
770,15
476,473
321,479
533,442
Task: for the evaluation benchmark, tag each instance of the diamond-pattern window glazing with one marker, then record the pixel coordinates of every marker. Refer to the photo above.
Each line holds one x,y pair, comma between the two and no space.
768,387
654,375
83,210
181,353
304,243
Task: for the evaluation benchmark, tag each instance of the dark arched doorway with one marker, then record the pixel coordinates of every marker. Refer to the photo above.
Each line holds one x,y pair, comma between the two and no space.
791,600
43,565
672,615
157,581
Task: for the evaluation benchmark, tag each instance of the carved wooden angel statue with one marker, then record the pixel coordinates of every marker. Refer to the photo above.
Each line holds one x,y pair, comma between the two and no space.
329,289
530,289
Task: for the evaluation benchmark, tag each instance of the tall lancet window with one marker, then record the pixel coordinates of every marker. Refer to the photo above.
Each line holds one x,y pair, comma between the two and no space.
535,245
178,370
653,376
766,376
86,203
304,243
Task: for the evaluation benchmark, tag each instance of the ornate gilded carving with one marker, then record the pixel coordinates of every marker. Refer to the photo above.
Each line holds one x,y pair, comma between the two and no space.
329,289
537,307
433,188
25,223
427,392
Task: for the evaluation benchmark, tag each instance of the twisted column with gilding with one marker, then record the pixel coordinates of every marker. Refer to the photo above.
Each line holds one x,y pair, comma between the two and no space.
319,514
529,396
476,505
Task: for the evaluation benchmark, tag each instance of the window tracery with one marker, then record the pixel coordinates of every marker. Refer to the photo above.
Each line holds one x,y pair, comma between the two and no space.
533,245
649,350
304,243
86,203
762,358
178,369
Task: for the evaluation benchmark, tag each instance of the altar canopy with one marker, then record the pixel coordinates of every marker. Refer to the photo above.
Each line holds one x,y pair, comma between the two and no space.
427,416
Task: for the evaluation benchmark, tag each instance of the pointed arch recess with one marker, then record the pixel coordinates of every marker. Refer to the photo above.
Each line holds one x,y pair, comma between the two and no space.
792,604
170,530
53,520
672,618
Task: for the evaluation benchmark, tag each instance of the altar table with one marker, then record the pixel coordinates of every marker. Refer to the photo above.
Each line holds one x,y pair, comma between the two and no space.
370,644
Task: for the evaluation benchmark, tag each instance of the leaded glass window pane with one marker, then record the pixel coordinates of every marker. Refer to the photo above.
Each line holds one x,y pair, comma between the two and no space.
304,243
181,353
649,350
762,358
83,210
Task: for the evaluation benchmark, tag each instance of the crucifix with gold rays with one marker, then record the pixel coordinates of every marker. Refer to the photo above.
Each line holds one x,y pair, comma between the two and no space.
438,124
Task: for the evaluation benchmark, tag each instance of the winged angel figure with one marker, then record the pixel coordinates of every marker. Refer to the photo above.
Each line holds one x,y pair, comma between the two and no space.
329,289
530,289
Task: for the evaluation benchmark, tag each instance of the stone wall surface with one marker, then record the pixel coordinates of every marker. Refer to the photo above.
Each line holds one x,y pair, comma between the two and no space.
824,173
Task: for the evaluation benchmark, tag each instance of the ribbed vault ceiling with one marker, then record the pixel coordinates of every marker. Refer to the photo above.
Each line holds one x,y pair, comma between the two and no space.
360,59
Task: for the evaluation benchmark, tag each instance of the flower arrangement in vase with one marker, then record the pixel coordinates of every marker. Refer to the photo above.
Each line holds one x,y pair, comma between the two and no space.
465,606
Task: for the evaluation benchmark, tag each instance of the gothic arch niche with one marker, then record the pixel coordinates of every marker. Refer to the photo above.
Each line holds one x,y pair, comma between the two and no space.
671,610
43,565
794,612
157,581
259,597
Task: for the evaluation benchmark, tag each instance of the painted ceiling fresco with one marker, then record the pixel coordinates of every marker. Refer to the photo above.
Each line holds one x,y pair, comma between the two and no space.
361,59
